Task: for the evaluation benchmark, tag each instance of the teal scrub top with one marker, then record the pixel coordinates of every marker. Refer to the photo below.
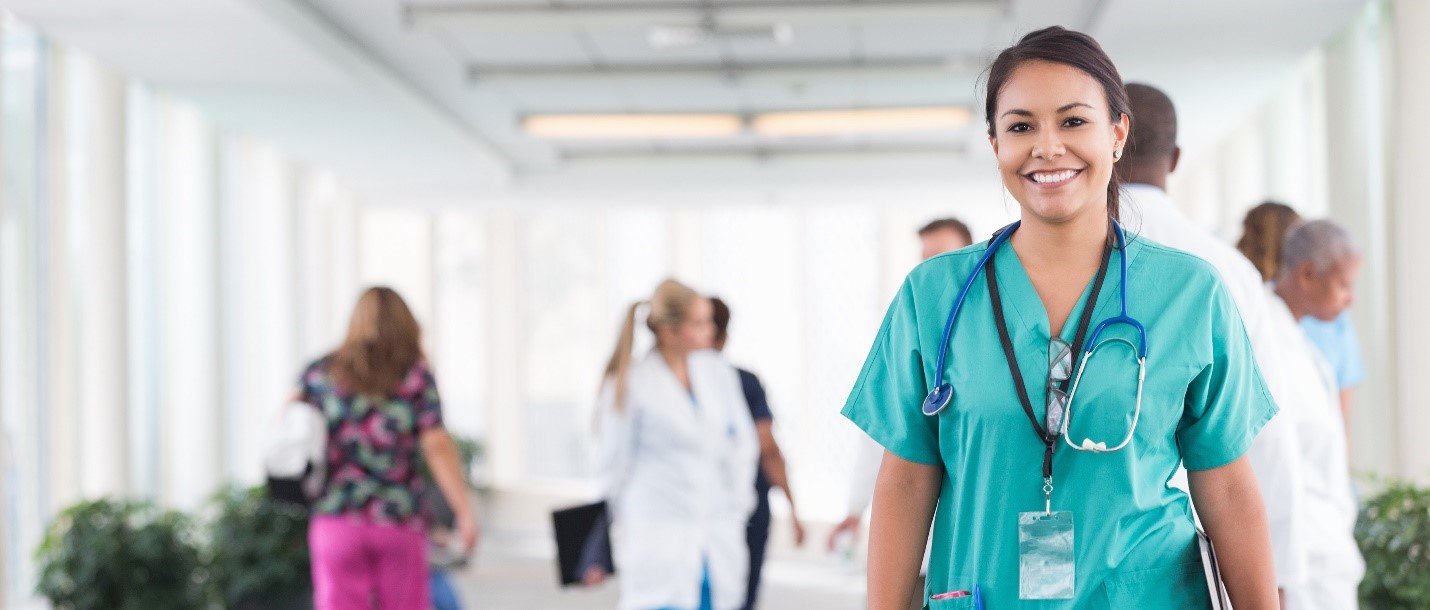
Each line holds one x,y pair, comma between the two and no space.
1203,402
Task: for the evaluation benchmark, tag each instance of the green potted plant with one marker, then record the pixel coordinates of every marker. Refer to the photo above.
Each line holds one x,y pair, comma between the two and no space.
260,552
1394,536
121,555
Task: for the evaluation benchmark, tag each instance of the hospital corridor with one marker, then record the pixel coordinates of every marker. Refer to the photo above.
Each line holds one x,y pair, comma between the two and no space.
714,304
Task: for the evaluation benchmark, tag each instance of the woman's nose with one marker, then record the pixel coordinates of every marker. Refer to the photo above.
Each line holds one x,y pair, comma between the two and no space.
1048,145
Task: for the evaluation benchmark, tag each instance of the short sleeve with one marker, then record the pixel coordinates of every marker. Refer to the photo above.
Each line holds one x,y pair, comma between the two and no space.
421,387
313,382
755,396
1227,402
890,390
1350,370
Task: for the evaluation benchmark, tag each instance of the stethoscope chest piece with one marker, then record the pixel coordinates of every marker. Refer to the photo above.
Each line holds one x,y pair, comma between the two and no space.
938,399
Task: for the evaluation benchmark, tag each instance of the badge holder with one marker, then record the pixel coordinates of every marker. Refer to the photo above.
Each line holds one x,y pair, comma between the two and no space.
1047,568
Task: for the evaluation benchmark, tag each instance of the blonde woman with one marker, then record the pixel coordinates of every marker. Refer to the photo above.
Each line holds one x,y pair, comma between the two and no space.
368,535
678,455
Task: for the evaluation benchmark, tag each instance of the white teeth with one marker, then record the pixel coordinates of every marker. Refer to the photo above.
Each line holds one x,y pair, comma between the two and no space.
1045,178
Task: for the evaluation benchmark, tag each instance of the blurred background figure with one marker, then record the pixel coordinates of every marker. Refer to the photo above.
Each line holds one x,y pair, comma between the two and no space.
1264,232
771,472
1148,161
679,453
1316,278
368,531
944,235
937,237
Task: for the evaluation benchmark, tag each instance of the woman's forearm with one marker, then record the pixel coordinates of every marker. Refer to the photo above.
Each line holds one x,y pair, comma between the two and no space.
441,455
904,498
1229,503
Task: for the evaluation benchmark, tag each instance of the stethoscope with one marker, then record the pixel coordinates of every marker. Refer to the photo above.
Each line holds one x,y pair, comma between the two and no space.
942,394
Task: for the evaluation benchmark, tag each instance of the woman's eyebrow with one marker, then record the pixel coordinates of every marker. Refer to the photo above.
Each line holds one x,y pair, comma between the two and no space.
1065,108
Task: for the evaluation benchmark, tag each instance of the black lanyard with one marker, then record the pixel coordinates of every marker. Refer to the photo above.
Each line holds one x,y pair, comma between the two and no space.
1049,437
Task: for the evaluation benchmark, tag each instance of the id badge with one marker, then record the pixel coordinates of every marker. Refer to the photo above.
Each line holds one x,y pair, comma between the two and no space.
1046,565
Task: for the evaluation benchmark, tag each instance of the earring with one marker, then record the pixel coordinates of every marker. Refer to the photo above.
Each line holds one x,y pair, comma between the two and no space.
1117,154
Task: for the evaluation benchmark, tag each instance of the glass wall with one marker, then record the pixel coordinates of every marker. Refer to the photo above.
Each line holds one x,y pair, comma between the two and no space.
151,276
23,282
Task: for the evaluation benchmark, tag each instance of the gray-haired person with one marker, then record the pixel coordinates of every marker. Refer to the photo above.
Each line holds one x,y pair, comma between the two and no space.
1316,276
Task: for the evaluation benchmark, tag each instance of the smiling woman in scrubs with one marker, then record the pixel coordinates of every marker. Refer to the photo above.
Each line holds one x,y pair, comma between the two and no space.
1089,529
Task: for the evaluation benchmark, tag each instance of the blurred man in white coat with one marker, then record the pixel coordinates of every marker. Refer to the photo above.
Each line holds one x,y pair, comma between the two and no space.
1281,453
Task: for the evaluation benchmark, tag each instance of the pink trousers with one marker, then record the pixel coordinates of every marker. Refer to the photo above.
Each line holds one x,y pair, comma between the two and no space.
361,566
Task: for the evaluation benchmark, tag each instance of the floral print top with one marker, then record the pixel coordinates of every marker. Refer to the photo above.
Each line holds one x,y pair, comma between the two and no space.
373,446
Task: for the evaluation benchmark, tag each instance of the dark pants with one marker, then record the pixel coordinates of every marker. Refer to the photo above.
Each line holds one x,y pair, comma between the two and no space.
757,536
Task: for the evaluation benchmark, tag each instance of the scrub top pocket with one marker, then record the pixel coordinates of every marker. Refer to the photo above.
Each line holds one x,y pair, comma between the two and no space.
957,603
1178,586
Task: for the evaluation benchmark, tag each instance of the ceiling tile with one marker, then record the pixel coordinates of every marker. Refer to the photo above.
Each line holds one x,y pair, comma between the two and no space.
632,45
521,48
923,39
810,42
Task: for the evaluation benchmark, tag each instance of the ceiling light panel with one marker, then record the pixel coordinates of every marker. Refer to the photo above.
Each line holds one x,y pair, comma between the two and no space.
632,126
862,121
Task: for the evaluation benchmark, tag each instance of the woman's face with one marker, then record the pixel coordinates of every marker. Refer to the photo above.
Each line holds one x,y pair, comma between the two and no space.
697,330
1054,141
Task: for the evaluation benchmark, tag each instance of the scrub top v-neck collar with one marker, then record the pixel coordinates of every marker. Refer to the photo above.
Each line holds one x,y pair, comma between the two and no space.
1028,318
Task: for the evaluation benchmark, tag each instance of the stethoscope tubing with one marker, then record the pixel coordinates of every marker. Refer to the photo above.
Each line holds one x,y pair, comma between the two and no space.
942,394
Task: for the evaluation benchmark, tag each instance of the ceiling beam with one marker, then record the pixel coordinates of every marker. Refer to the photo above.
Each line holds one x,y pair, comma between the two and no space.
745,113
616,13
933,66
357,60
760,152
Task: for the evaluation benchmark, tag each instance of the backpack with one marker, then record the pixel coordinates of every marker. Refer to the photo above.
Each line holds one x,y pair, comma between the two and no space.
295,454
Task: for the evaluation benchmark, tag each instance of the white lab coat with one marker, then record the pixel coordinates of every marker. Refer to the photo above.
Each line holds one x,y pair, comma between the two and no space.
1275,454
679,477
1334,562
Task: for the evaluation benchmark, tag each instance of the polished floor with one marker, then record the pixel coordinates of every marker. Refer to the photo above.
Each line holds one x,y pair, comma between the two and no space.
514,570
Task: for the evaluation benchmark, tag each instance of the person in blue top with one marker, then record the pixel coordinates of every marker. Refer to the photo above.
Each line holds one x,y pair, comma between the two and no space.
1328,283
1049,467
771,473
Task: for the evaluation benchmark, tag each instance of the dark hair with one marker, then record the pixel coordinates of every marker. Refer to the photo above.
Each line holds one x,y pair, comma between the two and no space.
721,318
948,224
1060,45
1262,233
1155,136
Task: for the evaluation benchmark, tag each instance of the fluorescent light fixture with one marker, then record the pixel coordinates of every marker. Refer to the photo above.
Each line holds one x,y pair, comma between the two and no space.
862,121
677,36
632,126
719,125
